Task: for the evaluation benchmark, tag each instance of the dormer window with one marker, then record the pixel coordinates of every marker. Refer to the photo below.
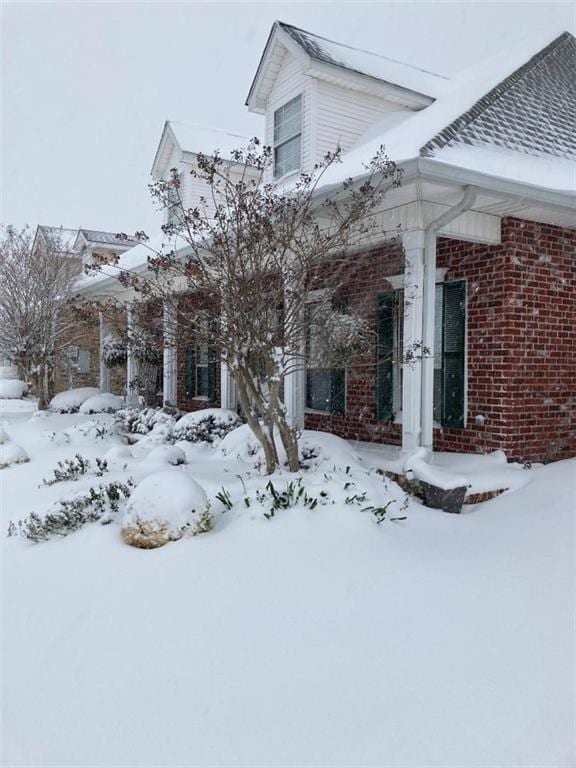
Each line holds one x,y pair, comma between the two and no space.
287,137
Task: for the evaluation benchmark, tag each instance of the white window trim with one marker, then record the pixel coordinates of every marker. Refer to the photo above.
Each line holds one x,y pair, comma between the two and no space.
276,145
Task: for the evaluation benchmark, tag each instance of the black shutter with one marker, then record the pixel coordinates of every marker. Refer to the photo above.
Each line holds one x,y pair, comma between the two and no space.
385,357
338,375
453,353
211,374
338,391
190,373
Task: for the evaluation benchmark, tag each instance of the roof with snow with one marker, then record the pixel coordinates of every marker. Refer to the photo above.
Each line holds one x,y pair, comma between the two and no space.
64,236
533,110
366,62
105,238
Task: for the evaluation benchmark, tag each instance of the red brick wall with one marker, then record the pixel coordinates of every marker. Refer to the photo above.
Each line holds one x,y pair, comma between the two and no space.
521,299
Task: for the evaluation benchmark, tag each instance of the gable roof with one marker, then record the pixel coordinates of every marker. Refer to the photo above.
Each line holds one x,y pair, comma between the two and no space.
321,56
511,117
194,139
66,237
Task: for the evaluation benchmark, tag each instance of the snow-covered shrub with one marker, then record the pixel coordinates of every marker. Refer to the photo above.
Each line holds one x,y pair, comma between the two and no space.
9,372
10,453
326,451
74,468
4,436
165,507
69,515
167,454
118,456
12,389
114,353
207,425
102,403
141,421
71,400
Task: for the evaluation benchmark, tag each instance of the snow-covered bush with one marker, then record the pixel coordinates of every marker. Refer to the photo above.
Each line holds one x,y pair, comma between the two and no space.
102,403
4,436
165,507
12,389
69,515
141,421
207,425
10,453
240,443
71,400
167,454
9,372
74,468
118,456
114,352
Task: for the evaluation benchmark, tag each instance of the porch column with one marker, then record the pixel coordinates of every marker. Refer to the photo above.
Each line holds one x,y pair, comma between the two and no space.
228,396
413,243
428,336
170,370
295,392
131,362
104,370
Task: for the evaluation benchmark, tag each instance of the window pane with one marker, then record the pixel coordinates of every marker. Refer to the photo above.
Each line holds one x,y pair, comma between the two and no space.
318,389
202,381
287,120
287,157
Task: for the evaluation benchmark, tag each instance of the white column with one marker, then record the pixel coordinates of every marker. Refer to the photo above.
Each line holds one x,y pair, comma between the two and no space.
428,336
295,392
104,370
131,362
170,370
413,243
228,396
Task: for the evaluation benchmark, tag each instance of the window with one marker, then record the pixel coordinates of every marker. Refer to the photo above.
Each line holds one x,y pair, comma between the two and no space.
325,386
287,137
449,354
200,371
173,200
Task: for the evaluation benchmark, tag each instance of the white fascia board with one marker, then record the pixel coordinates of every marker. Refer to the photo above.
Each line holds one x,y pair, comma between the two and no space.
368,84
161,155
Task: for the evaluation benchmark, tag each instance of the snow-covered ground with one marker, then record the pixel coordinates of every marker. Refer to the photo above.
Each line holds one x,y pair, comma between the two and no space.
315,638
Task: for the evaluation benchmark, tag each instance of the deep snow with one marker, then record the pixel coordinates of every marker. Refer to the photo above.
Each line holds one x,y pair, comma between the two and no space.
315,638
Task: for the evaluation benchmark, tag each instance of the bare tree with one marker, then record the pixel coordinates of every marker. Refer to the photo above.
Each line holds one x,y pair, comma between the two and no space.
254,251
35,291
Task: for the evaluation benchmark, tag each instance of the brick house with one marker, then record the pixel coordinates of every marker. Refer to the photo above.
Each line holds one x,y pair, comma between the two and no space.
474,256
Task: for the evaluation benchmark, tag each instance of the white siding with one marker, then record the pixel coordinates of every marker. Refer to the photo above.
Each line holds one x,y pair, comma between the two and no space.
342,116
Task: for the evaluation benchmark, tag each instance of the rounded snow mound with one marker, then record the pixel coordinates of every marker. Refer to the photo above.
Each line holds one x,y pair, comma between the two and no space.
164,507
12,389
326,450
71,400
10,453
118,456
102,403
8,372
206,425
4,436
241,444
166,454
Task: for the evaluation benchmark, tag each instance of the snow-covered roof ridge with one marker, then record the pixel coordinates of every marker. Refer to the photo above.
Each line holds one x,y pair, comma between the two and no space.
64,235
516,112
105,238
197,138
367,63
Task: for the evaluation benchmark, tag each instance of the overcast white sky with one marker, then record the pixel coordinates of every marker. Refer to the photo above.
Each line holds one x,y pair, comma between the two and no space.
86,87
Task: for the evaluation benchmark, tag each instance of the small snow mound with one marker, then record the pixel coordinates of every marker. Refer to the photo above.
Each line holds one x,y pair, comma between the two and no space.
102,403
12,389
206,425
4,436
240,443
10,453
71,400
164,507
318,448
118,456
8,372
166,454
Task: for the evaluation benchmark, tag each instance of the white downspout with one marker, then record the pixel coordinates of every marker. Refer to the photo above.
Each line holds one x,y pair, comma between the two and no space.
429,304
